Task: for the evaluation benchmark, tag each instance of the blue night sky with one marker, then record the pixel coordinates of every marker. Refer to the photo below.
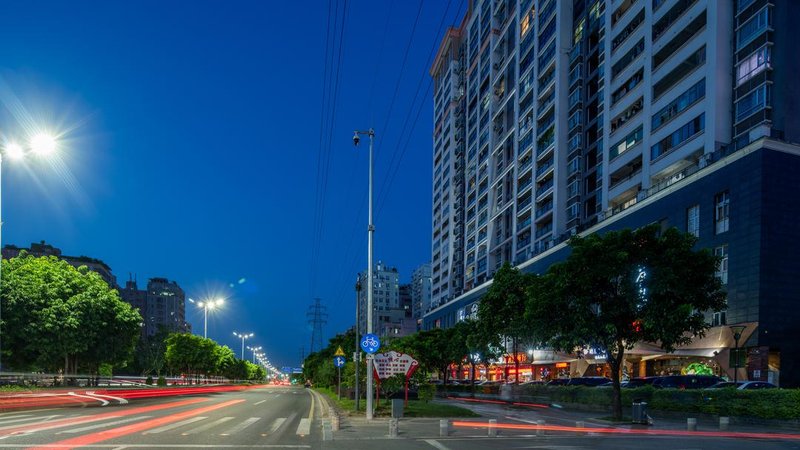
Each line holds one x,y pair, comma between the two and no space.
191,147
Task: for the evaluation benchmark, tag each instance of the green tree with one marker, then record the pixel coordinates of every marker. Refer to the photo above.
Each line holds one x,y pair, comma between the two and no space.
501,312
624,287
185,353
149,356
55,315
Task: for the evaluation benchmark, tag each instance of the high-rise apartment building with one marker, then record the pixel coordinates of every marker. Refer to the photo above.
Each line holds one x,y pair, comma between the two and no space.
587,115
162,305
385,298
420,292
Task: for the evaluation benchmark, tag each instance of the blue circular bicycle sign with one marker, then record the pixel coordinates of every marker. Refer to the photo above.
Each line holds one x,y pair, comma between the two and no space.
338,361
370,343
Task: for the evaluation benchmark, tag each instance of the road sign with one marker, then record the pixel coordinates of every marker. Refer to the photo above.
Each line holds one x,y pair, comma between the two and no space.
391,363
370,343
339,351
338,361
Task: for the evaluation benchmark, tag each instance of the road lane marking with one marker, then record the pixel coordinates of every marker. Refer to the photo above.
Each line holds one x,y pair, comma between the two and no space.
304,429
277,424
311,412
104,402
207,426
436,444
258,403
26,419
101,425
106,435
72,420
3,418
121,401
172,426
241,426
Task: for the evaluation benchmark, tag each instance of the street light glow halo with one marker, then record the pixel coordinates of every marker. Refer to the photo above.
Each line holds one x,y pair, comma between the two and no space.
15,151
43,144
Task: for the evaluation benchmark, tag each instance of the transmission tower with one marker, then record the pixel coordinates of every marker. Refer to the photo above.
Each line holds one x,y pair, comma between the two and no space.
317,317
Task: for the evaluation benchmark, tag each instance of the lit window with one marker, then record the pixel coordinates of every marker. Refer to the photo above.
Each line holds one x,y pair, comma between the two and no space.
753,65
722,204
693,220
722,270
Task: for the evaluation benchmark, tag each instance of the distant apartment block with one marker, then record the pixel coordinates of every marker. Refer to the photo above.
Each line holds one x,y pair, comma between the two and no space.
44,249
420,292
162,305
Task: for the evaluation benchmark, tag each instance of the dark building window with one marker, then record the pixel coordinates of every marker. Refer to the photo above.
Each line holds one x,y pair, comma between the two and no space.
722,205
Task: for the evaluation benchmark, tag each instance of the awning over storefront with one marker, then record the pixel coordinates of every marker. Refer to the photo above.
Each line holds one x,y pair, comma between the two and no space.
544,357
716,340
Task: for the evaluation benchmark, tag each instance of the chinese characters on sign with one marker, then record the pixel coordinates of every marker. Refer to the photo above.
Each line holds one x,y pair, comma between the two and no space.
392,363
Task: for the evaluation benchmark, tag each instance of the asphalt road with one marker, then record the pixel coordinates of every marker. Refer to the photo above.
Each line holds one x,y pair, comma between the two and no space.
282,417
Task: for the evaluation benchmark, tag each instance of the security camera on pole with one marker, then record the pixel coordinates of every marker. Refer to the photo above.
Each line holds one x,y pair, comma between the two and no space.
370,231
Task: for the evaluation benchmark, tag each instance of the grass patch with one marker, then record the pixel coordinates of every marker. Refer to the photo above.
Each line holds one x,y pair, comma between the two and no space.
415,408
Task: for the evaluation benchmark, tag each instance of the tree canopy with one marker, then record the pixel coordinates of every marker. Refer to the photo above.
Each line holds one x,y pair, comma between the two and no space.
58,316
624,287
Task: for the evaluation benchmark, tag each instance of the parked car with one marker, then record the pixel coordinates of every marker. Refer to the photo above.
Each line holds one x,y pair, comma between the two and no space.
638,382
686,381
726,384
588,381
747,385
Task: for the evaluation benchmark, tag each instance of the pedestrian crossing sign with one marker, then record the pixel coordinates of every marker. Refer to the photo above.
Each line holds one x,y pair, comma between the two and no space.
339,351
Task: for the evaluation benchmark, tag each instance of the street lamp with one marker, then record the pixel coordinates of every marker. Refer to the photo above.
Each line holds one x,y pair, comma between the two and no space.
41,144
255,351
370,231
206,305
737,334
357,354
243,336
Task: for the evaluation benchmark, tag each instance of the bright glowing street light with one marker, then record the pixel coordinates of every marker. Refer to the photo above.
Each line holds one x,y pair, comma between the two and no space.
42,144
206,305
243,336
255,352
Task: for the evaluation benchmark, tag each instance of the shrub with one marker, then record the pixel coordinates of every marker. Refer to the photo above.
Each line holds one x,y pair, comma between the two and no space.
161,381
426,392
149,380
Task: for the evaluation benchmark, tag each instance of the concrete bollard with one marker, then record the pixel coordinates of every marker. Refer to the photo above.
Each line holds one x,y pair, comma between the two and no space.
444,427
691,424
540,430
393,425
334,421
327,432
724,423
492,427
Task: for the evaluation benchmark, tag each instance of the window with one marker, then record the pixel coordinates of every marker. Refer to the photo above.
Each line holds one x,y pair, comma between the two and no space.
686,67
719,319
626,144
721,252
752,102
753,65
693,220
722,205
677,138
752,28
680,104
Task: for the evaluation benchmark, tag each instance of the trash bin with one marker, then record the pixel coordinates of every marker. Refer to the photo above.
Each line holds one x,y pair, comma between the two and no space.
397,408
639,413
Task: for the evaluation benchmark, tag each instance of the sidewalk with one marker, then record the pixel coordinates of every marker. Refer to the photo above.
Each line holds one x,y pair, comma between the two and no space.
522,421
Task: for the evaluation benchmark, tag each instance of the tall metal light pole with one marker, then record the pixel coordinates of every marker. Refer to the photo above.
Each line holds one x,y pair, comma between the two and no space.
43,145
357,354
737,334
243,336
206,305
370,231
255,351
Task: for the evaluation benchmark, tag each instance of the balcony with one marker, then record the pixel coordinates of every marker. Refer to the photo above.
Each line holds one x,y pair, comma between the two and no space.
544,209
545,168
